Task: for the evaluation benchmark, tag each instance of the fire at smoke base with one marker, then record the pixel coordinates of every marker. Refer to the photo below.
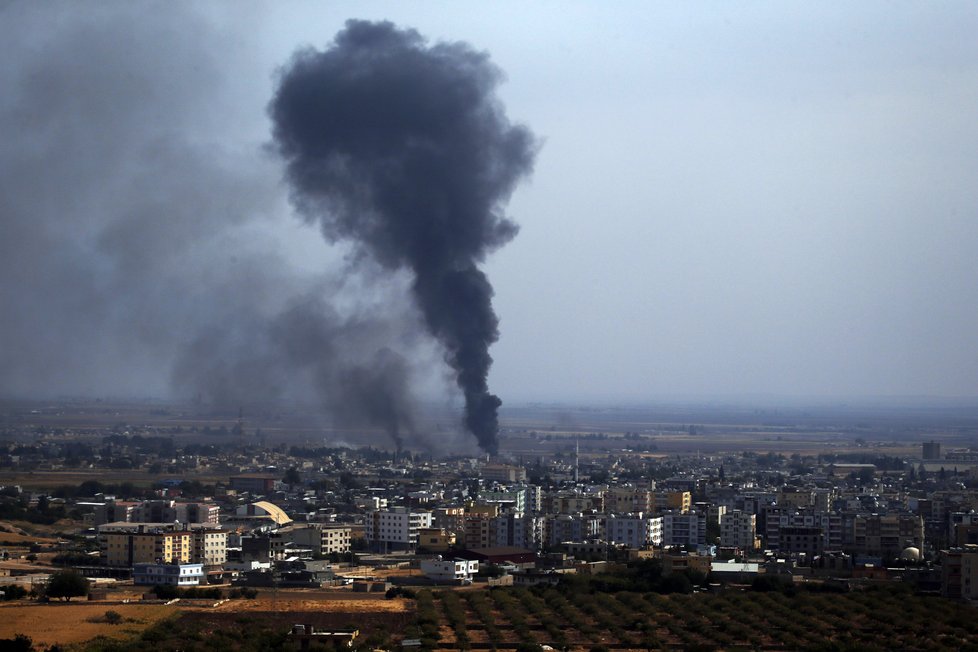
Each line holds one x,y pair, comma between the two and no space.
402,148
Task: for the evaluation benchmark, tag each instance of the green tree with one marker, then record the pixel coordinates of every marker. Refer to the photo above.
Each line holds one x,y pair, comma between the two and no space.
67,584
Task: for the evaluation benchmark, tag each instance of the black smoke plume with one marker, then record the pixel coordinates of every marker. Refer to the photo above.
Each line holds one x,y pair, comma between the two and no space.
403,148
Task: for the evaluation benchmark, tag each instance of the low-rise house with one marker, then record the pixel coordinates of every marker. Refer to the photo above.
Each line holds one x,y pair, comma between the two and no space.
449,570
167,574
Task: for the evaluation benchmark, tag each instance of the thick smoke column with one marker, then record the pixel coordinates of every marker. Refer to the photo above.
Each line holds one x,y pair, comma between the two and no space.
404,149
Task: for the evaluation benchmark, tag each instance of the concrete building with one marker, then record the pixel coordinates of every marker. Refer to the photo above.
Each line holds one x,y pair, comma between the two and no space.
522,531
886,535
509,500
739,529
451,519
799,539
678,562
683,529
254,483
396,528
931,450
450,570
320,538
435,539
126,544
168,511
572,527
959,572
503,473
167,574
634,530
628,500
677,501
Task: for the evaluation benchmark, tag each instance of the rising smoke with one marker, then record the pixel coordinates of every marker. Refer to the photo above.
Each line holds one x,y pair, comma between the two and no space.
404,149
147,248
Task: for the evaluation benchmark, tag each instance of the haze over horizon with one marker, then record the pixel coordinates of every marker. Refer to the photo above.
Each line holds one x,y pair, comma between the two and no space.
741,200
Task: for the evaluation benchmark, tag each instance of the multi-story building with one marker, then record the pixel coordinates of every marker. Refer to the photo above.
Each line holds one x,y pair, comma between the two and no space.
503,473
959,572
634,530
576,503
451,519
436,539
395,528
210,546
800,539
478,531
572,527
678,562
886,535
739,529
515,530
534,499
509,500
628,500
796,497
683,529
254,483
125,544
320,538
665,501
168,511
113,511
931,450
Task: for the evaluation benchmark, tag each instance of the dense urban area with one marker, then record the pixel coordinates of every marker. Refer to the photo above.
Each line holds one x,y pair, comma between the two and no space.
636,534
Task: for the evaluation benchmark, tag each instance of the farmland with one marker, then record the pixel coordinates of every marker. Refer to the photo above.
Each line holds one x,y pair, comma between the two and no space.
579,621
61,624
520,618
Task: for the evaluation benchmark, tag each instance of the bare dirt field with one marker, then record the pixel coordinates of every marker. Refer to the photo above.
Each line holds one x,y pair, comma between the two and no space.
48,624
328,604
56,623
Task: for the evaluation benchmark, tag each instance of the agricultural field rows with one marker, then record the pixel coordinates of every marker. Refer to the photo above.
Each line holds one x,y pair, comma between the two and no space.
519,618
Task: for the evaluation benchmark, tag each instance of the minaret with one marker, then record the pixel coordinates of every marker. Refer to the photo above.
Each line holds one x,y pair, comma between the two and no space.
577,460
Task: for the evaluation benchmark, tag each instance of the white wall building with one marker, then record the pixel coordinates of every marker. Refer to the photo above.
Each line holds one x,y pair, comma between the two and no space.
449,570
167,574
395,528
634,530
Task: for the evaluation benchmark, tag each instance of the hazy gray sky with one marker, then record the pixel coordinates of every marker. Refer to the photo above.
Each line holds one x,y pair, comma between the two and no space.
730,198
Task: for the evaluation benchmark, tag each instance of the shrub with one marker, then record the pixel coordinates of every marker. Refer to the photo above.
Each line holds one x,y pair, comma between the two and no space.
19,643
13,592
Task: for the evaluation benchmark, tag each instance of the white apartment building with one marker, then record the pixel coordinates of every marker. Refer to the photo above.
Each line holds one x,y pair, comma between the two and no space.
210,546
395,528
634,530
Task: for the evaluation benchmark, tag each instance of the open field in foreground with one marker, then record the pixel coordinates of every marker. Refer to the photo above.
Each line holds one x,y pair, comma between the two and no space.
72,623
53,623
882,619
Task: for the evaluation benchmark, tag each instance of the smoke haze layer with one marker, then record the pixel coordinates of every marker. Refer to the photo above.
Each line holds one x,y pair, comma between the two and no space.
147,246
403,149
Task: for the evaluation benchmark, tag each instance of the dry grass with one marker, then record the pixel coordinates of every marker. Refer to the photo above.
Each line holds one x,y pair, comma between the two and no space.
55,623
49,624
